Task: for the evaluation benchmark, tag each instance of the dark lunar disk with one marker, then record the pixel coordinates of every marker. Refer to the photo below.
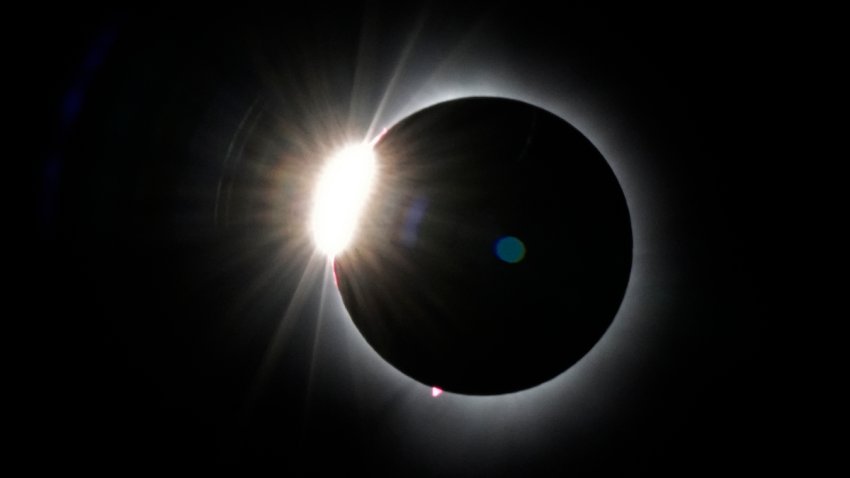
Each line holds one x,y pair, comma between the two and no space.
494,251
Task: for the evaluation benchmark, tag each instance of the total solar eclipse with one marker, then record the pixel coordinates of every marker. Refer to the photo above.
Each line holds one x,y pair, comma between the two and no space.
493,245
268,238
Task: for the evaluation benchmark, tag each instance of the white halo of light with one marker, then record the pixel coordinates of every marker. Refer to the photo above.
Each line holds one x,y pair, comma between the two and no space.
340,195
566,411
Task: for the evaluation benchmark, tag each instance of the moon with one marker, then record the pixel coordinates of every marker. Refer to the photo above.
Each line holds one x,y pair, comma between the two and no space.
493,251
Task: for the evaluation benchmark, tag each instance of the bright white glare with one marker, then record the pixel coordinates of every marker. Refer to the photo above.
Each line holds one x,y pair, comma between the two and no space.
340,195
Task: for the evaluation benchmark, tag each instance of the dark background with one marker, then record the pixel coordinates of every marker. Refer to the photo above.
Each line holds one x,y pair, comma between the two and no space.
146,315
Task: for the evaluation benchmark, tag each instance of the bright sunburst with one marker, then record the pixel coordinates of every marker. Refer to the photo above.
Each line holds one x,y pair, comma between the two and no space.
340,195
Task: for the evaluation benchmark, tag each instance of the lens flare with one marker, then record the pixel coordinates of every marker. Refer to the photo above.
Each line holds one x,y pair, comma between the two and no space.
510,249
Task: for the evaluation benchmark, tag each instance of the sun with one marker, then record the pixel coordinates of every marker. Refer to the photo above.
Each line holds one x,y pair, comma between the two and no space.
340,195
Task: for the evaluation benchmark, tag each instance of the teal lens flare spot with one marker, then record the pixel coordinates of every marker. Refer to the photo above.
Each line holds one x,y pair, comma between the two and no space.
510,249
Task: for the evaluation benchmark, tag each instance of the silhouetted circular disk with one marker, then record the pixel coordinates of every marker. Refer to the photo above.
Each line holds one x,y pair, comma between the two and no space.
495,250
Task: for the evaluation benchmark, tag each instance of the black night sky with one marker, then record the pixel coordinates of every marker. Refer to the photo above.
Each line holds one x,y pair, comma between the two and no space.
177,315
